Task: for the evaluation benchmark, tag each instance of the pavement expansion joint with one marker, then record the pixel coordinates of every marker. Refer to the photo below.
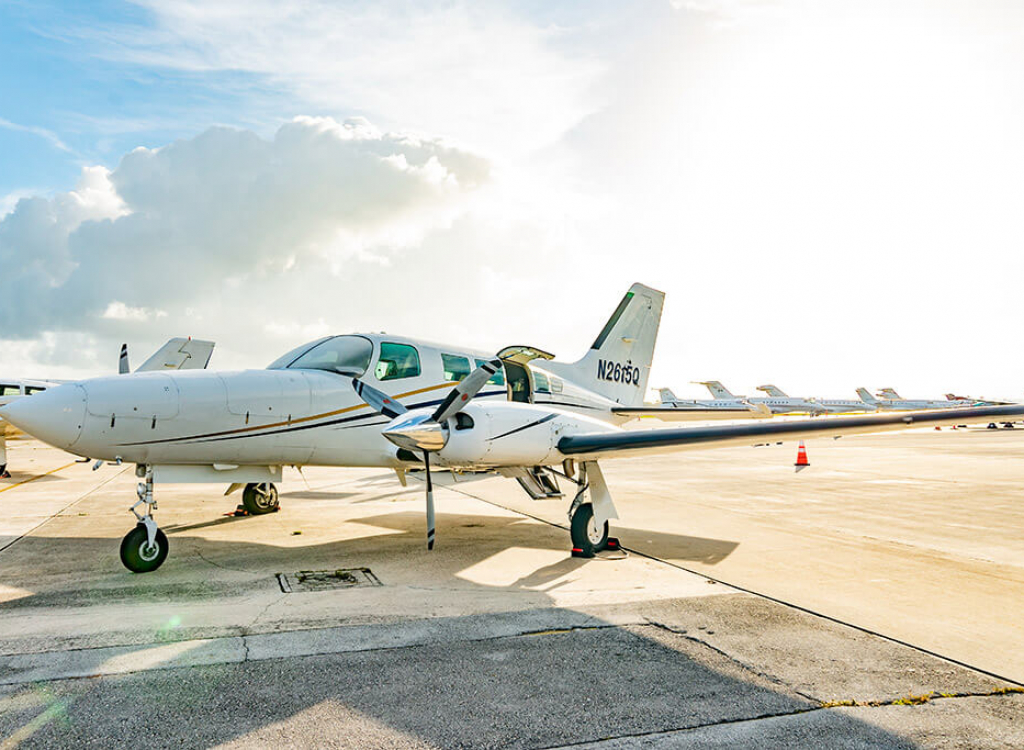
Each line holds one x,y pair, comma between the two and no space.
738,662
691,728
917,700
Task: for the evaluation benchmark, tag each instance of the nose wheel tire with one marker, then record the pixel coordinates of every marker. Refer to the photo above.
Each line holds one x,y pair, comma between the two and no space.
588,537
138,555
261,498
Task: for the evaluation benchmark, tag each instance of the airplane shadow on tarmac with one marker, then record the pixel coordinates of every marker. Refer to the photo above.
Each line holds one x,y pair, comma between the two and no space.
538,676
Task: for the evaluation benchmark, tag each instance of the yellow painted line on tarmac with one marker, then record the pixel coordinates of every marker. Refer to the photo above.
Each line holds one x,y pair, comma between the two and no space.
38,476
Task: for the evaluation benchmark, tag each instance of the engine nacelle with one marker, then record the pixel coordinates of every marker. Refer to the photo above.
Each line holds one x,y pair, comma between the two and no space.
512,434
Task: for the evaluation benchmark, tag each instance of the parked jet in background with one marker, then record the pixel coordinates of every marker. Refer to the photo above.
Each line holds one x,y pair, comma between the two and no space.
776,404
822,405
904,404
176,354
719,408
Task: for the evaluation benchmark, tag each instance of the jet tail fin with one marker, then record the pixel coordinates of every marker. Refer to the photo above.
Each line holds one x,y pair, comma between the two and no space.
866,397
773,391
180,354
717,389
618,364
122,364
667,396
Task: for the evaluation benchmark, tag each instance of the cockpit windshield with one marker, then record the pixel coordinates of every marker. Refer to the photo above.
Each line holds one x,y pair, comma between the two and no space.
346,355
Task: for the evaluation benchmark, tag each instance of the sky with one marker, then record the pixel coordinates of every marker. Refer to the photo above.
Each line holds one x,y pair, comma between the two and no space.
828,192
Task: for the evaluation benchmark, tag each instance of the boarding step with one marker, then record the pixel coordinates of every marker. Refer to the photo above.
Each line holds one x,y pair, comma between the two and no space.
539,483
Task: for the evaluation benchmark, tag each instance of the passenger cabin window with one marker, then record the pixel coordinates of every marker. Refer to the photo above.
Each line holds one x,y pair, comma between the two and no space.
9,390
540,382
397,361
345,355
497,378
29,390
556,384
455,368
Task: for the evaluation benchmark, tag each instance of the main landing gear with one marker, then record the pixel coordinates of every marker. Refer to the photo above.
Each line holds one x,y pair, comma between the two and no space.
145,547
261,498
588,521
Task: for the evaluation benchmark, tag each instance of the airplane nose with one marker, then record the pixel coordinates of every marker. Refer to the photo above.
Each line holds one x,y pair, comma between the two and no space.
55,415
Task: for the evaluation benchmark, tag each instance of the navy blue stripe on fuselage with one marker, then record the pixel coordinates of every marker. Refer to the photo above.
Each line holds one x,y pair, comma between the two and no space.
542,420
191,440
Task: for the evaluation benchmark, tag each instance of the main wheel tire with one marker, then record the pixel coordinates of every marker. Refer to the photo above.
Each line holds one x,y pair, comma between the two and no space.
586,536
138,555
261,498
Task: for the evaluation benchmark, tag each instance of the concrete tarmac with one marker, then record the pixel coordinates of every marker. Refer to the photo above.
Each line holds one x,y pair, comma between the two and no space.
873,600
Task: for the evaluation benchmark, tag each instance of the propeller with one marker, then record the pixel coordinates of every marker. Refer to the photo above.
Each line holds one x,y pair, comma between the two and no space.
420,430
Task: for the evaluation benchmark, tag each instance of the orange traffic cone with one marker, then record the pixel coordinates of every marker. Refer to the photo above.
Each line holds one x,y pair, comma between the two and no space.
801,457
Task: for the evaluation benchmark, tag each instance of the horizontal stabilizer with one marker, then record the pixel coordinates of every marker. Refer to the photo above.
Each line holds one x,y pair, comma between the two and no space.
180,354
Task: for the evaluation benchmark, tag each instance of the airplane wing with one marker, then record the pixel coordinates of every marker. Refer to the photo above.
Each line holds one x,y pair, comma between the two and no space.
180,354
692,414
647,442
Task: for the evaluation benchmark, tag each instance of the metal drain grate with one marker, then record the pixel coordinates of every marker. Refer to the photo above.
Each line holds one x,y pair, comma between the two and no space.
327,580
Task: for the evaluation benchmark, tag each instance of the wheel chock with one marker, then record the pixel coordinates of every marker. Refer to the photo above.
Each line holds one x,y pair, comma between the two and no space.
577,552
613,543
5,474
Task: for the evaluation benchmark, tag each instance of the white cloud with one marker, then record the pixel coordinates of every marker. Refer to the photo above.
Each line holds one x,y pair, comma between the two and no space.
473,71
120,311
225,213
43,133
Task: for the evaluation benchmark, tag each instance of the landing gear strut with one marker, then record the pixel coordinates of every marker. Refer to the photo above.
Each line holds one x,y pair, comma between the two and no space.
260,498
588,521
145,547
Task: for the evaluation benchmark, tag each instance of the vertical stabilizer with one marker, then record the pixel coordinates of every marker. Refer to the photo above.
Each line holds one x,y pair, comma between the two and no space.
667,396
866,397
717,389
122,364
618,364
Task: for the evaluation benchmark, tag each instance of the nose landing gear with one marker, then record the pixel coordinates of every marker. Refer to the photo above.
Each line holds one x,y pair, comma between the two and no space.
145,547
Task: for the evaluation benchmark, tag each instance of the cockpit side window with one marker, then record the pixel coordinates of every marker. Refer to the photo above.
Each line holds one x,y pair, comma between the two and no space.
397,361
345,355
29,390
9,390
455,368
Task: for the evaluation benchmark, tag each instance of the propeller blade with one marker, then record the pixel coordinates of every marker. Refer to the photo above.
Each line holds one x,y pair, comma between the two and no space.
464,392
378,400
430,502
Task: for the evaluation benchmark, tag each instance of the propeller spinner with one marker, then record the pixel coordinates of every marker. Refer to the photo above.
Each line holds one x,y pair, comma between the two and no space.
420,430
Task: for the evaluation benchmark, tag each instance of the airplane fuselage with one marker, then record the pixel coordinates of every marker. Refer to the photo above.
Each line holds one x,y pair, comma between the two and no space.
312,417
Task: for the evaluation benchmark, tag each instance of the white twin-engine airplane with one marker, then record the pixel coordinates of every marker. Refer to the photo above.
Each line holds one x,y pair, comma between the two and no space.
401,403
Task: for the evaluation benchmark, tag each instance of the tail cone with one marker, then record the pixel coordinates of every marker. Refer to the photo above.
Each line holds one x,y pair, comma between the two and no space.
801,457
